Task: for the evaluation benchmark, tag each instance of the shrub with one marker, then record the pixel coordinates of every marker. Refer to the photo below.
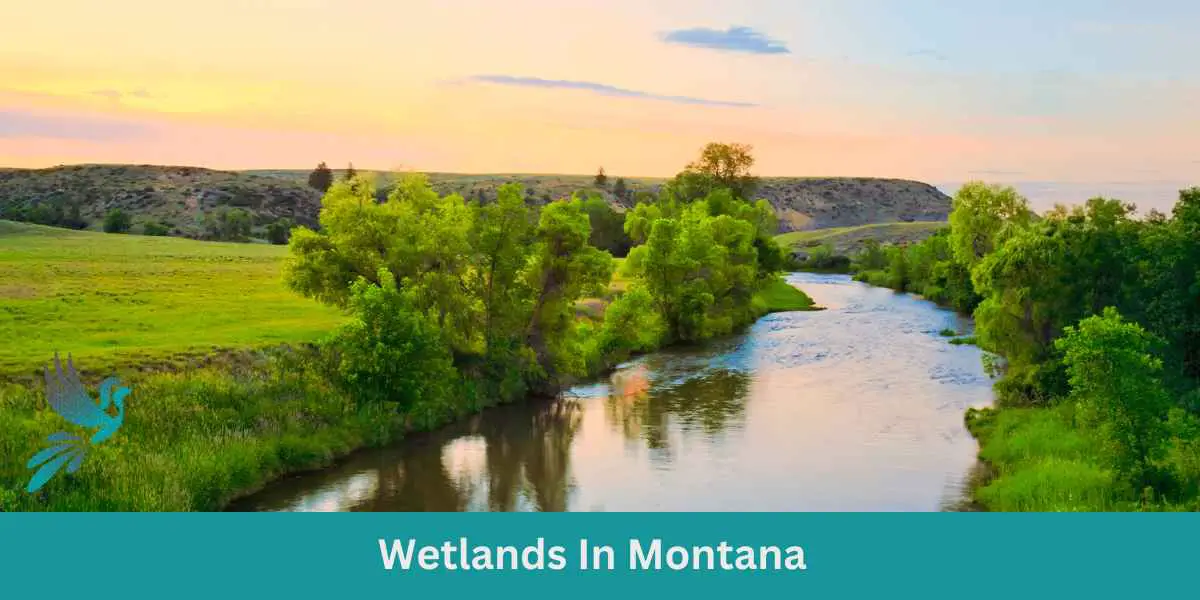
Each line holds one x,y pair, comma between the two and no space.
154,228
117,221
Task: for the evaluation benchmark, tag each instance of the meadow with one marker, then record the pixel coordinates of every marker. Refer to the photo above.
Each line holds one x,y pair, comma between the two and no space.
117,301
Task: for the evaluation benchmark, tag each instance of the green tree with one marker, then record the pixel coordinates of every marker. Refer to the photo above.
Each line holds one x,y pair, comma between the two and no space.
278,232
601,178
500,235
608,225
350,173
1115,380
117,221
981,217
393,352
620,190
720,165
564,268
321,178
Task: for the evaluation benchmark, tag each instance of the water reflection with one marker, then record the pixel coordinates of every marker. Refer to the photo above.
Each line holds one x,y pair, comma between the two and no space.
858,407
642,409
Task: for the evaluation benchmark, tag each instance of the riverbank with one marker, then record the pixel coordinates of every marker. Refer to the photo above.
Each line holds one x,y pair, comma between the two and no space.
196,439
857,407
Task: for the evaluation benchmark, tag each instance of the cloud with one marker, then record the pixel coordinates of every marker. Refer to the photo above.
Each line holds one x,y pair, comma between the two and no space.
734,39
117,95
599,88
929,53
28,124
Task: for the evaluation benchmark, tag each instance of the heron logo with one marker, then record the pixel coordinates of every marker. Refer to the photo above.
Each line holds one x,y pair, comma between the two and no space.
67,396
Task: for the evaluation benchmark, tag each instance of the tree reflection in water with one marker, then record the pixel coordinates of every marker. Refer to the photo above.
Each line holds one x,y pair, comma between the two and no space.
710,400
523,464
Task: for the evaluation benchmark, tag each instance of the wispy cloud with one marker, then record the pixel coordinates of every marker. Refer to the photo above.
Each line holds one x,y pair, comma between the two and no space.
117,95
734,39
929,53
28,124
600,88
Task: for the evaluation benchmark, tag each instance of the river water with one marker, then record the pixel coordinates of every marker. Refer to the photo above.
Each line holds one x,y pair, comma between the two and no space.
855,408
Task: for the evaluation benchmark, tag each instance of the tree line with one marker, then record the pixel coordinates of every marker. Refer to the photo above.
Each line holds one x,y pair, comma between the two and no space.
1091,312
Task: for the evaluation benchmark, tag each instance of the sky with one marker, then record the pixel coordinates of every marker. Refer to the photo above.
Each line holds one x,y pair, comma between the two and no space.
1077,92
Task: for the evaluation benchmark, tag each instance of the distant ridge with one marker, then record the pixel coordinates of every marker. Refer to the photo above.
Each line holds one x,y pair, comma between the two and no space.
180,196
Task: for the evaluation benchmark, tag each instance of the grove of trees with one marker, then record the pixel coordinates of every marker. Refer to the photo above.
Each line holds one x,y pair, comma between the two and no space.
1094,314
458,304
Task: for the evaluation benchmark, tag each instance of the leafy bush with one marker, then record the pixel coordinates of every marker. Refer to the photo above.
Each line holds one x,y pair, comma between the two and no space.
154,228
117,221
393,353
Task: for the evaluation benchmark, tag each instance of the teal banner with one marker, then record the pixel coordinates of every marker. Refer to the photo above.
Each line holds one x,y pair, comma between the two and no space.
636,555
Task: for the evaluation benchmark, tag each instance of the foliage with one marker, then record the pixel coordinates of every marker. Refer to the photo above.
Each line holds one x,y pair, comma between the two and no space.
228,224
631,324
280,231
392,351
620,189
1115,382
321,178
497,284
720,166
117,221
981,217
822,258
351,174
608,225
156,229
601,179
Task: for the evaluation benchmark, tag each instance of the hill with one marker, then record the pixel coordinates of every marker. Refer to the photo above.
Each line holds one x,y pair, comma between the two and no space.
802,202
847,241
179,197
182,197
125,299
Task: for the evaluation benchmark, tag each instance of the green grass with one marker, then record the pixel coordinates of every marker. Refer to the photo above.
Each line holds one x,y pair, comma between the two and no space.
947,332
848,240
781,296
1041,462
969,340
118,300
190,441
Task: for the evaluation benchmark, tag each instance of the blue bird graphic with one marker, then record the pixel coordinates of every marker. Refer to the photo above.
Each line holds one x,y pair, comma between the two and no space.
68,398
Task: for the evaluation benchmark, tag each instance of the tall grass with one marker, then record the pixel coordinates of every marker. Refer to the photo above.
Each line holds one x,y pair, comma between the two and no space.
191,441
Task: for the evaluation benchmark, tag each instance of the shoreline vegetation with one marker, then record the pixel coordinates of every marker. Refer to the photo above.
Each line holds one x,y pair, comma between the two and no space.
490,304
1090,325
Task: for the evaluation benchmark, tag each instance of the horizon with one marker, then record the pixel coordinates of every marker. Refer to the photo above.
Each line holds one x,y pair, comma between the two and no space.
1072,93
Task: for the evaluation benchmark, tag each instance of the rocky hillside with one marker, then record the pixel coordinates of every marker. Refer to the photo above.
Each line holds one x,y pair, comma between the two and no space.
181,197
818,203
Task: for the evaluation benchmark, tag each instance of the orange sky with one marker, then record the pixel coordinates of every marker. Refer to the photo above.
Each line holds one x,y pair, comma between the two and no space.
471,87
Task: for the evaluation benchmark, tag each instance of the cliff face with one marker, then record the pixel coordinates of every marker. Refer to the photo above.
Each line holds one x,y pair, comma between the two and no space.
818,203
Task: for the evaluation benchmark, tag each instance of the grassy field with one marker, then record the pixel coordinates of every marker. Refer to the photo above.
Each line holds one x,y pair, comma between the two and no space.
848,240
118,300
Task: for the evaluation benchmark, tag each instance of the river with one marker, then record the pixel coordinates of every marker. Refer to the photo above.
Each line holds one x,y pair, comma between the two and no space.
855,408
